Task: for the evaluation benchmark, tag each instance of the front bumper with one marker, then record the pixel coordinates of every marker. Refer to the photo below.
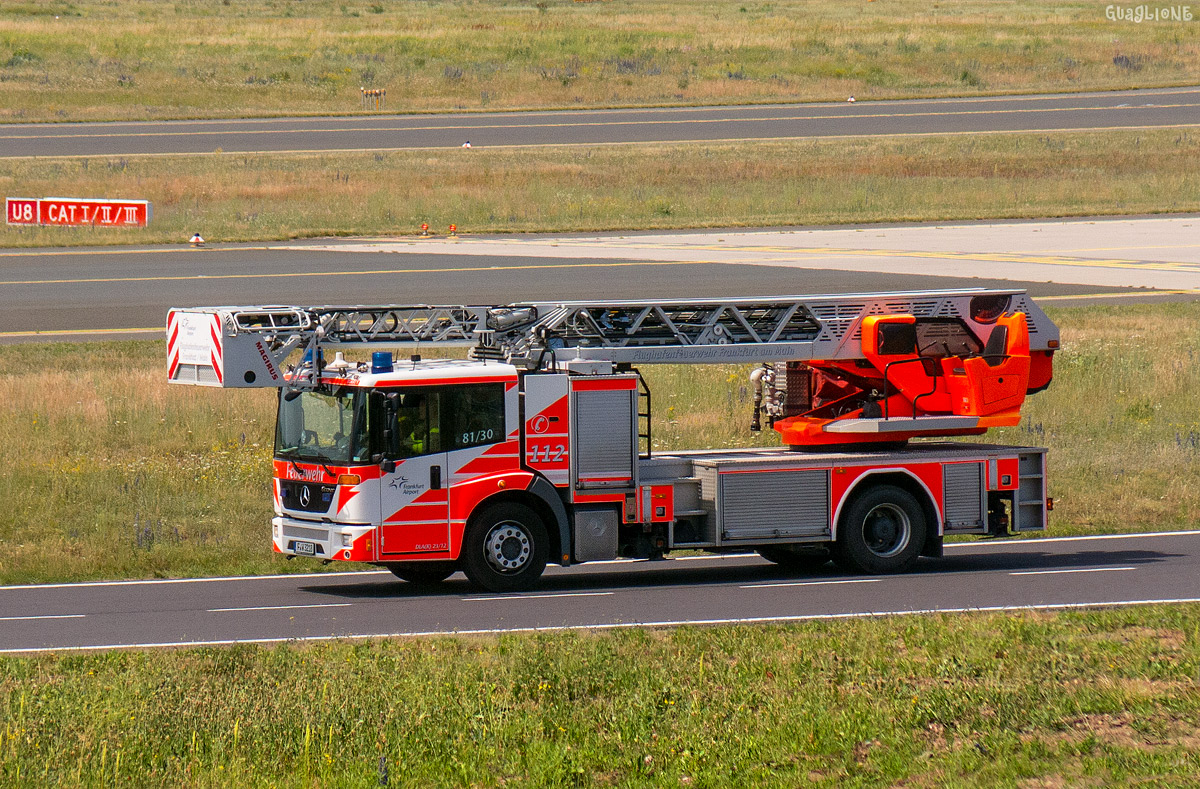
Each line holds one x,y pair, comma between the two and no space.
347,542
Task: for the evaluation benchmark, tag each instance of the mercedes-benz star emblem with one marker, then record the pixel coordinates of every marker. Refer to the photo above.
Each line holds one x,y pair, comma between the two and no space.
304,496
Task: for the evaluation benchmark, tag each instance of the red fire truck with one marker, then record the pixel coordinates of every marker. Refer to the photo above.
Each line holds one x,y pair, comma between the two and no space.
537,448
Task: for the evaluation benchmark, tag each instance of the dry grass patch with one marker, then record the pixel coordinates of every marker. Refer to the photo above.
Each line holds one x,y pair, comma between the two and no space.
250,197
91,59
1015,702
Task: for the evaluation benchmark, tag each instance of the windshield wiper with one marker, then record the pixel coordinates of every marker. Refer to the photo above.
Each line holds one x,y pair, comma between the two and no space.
292,455
321,458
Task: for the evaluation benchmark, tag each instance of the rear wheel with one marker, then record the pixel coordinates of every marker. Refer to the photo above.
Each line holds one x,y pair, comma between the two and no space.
505,548
797,559
423,573
882,531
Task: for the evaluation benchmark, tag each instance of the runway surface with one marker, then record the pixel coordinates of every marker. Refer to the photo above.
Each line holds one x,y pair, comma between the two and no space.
125,292
1039,574
1150,108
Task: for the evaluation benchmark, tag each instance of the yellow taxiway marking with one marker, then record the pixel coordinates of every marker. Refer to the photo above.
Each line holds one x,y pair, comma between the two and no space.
777,254
157,329
73,332
785,254
41,134
364,272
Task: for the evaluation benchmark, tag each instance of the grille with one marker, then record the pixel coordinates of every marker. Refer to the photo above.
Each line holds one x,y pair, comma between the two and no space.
318,499
195,373
304,533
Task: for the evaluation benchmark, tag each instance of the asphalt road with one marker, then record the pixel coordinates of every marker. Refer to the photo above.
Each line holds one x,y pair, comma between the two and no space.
88,297
1162,107
112,292
989,576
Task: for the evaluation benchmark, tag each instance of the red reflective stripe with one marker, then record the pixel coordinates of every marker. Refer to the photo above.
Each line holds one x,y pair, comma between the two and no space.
604,385
345,494
216,337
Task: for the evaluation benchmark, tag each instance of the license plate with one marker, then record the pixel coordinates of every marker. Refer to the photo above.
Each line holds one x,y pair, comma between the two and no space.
305,548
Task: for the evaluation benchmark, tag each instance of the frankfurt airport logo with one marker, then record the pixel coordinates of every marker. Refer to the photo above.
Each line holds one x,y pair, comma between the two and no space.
1148,13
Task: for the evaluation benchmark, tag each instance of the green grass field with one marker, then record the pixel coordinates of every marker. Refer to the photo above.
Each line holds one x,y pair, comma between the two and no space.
1098,698
247,197
121,476
137,59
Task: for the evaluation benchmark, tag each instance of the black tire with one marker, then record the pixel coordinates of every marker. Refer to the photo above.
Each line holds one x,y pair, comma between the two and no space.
882,531
505,548
423,573
798,560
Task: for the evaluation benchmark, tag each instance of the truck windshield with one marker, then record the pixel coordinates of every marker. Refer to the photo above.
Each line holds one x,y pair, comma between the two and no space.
323,426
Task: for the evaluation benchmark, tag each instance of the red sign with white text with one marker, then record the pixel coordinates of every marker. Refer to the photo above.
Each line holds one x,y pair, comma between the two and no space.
77,212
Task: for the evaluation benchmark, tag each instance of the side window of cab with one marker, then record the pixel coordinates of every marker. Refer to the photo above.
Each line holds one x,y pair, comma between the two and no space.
415,421
473,415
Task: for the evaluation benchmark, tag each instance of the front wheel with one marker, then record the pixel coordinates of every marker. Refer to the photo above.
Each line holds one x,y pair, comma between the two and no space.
423,573
505,548
882,531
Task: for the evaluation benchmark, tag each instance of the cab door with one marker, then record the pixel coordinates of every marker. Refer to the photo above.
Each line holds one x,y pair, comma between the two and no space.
482,440
414,504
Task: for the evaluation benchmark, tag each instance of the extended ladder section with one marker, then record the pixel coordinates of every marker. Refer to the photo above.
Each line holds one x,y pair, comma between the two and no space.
248,346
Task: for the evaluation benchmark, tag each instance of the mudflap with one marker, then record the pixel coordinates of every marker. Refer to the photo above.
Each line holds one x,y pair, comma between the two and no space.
545,491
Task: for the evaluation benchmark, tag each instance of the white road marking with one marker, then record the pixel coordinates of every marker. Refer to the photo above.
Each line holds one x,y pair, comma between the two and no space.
365,573
280,607
153,581
46,616
1080,538
615,625
1065,572
536,596
812,583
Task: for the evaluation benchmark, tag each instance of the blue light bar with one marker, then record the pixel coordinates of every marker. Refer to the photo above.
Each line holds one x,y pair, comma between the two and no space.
381,362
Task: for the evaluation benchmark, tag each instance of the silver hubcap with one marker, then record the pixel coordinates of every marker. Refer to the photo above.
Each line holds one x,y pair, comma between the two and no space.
507,547
886,530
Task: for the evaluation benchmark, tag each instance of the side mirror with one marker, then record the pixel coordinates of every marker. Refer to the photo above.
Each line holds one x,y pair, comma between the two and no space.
387,466
391,402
